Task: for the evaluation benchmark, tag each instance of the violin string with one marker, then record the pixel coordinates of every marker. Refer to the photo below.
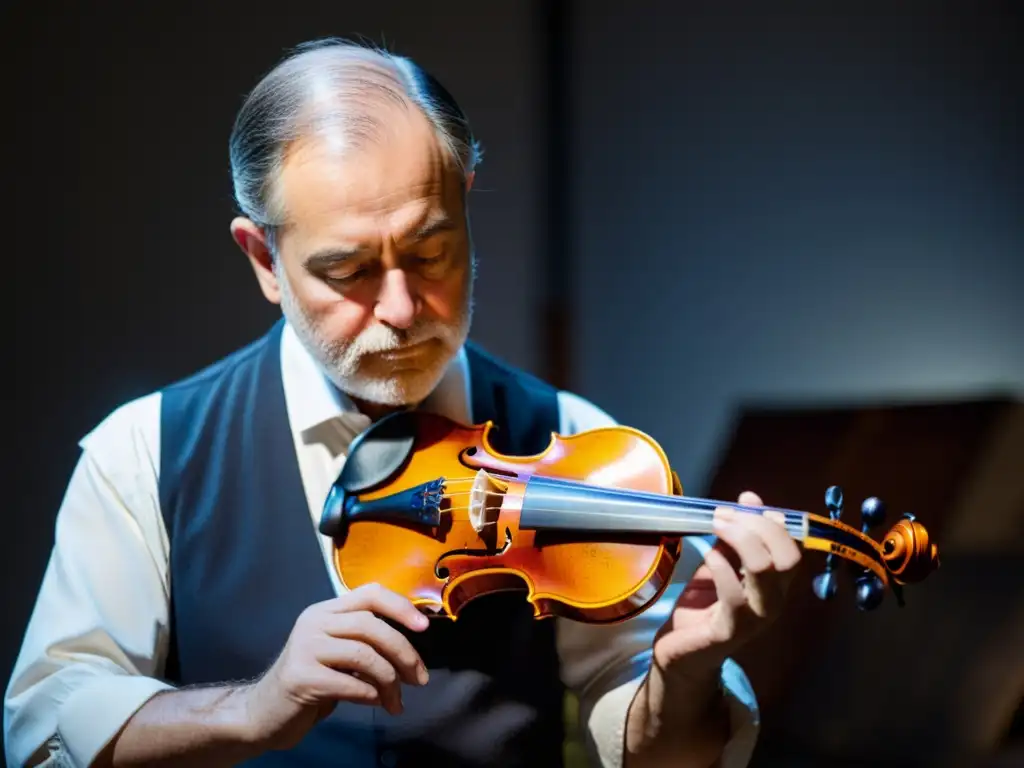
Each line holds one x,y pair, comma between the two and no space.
690,500
693,504
460,519
794,529
499,507
684,505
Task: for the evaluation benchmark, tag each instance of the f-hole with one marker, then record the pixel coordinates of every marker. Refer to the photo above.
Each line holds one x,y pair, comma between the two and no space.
442,573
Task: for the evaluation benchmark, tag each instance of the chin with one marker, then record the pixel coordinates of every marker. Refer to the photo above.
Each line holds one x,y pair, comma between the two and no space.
399,390
400,385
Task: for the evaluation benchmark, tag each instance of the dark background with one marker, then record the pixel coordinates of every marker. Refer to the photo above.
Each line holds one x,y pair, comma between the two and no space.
786,239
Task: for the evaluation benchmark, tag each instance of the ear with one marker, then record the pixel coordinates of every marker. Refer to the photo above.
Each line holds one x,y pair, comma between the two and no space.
469,180
250,238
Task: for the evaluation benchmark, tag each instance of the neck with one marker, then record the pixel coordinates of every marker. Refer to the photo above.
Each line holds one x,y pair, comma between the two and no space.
552,504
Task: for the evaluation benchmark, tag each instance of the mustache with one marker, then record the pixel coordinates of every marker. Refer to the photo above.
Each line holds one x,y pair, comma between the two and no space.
383,338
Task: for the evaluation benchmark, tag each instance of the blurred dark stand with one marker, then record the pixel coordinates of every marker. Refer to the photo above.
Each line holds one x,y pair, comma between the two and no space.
938,682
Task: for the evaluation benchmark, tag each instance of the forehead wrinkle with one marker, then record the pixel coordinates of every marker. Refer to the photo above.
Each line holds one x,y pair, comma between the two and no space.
402,226
411,223
370,226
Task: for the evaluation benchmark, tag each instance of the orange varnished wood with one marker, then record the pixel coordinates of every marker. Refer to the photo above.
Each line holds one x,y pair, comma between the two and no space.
590,578
595,582
909,553
827,545
906,554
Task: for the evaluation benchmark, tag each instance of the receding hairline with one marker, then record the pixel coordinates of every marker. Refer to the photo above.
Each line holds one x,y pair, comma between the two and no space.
326,132
348,89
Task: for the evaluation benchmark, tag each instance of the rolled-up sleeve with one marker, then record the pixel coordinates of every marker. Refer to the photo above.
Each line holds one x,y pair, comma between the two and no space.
93,650
604,665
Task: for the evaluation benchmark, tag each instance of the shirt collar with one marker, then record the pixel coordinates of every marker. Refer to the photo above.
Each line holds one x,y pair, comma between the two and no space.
314,399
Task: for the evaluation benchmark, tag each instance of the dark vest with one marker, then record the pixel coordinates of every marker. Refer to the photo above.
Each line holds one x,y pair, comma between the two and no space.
245,562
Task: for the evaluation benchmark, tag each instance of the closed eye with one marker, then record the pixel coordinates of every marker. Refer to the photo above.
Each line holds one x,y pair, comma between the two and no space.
348,278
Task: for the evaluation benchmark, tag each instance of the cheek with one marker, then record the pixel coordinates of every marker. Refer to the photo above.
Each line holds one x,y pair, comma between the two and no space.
445,300
335,316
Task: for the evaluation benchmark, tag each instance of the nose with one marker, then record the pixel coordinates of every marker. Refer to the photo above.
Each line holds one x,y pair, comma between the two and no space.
396,306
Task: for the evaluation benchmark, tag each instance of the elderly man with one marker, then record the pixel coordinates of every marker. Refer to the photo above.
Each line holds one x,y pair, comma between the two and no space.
190,615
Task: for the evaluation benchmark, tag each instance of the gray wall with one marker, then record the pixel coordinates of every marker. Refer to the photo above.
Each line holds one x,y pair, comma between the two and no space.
819,203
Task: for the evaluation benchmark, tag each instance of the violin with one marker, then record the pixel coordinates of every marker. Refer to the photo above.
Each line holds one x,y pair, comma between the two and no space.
591,528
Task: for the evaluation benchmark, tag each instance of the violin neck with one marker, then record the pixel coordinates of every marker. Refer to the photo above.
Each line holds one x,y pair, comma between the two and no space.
552,504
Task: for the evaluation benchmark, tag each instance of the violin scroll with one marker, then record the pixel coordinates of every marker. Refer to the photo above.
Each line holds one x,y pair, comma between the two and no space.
909,553
906,554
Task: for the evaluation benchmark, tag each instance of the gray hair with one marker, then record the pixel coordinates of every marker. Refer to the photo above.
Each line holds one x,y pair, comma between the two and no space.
325,83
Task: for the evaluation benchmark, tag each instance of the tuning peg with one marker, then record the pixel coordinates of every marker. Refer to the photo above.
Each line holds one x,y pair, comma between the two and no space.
872,513
834,501
826,584
869,588
869,592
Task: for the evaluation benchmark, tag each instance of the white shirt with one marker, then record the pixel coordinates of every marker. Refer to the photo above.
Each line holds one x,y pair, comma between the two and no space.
95,646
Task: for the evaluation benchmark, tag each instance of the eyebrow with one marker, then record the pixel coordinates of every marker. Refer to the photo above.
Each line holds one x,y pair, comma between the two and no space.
442,223
333,256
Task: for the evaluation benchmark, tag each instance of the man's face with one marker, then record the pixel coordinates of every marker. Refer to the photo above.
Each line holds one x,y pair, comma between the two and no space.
374,263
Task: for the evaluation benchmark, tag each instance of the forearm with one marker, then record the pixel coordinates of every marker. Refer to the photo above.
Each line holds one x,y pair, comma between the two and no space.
191,727
676,723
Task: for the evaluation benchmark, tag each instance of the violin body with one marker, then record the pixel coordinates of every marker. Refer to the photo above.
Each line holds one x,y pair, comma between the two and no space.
589,529
441,568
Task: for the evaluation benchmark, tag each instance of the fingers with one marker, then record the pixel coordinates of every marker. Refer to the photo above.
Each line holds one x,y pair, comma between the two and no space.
327,686
770,531
728,588
730,602
766,551
739,534
750,499
756,564
303,679
750,543
784,552
384,603
366,665
352,641
386,640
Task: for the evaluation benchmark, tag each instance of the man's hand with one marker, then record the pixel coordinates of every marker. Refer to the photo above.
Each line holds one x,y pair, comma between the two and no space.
738,591
339,650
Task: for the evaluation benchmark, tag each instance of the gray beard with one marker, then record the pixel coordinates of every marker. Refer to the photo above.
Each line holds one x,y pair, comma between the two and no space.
340,360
